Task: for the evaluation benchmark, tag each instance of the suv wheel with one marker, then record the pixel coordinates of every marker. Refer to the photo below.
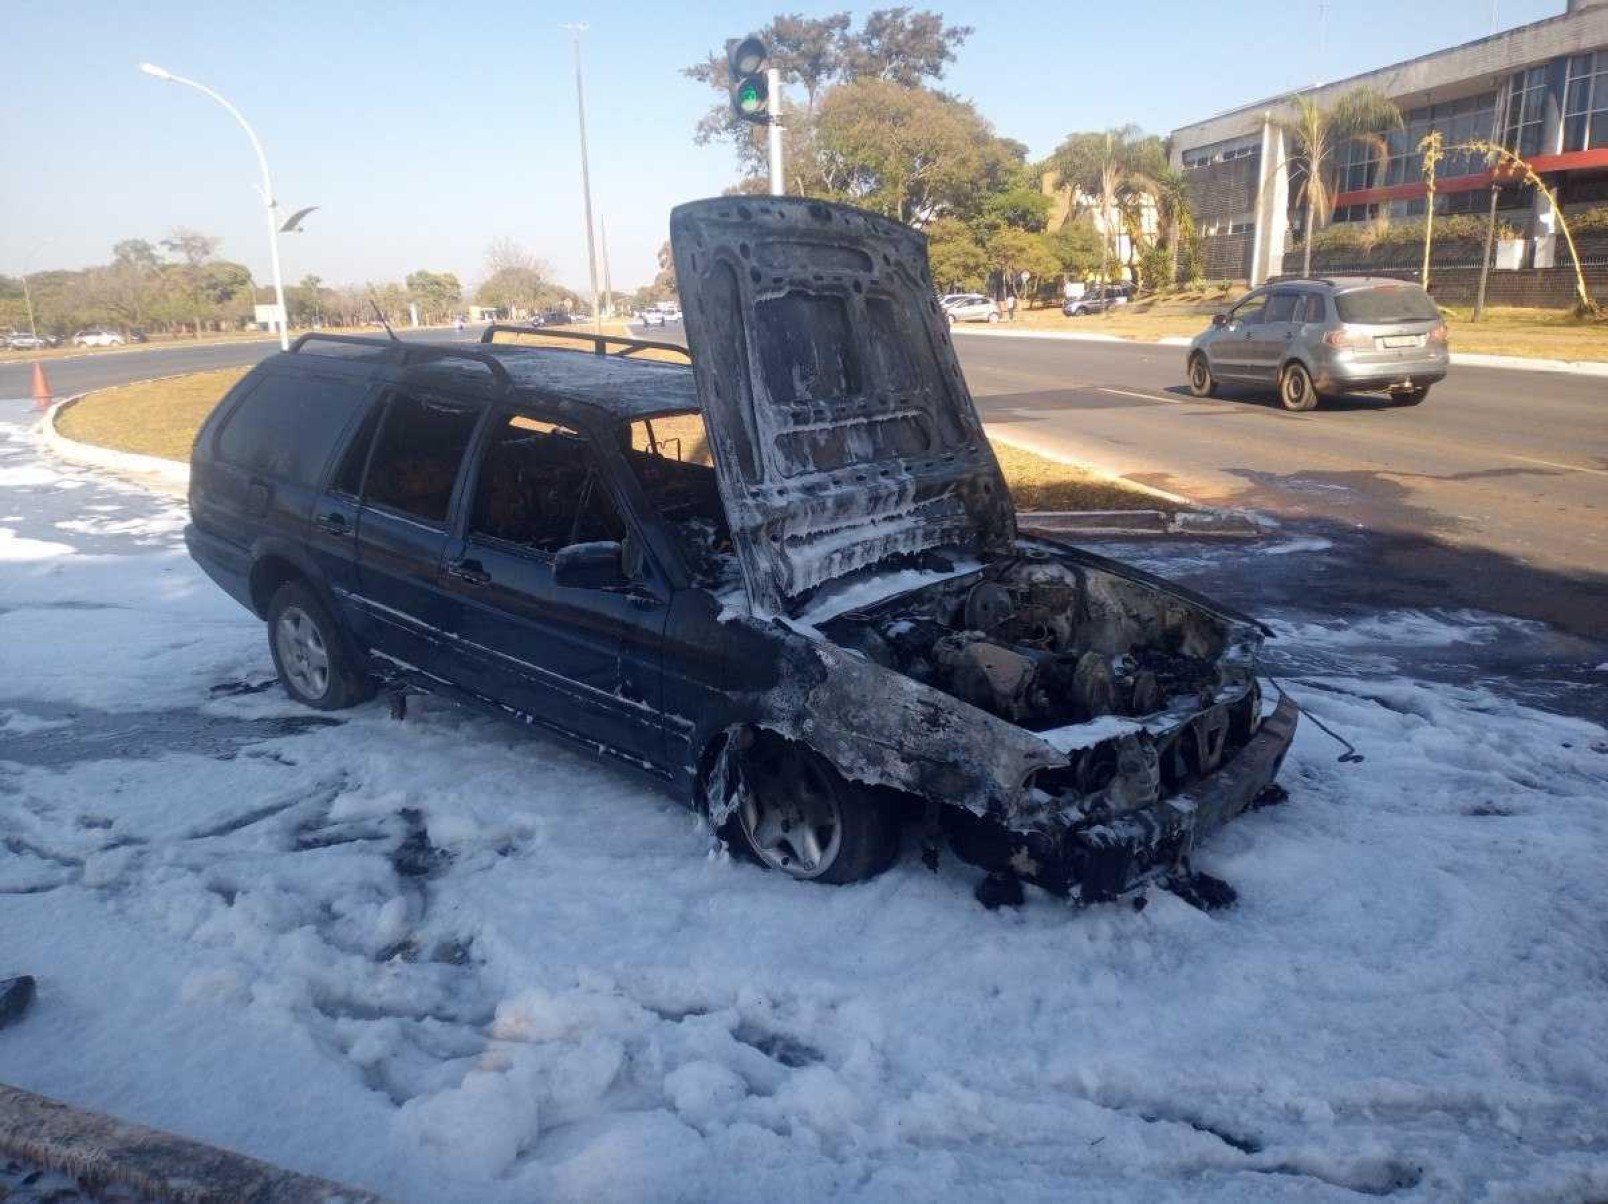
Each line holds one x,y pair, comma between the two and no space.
1201,381
1410,397
797,815
1296,391
311,652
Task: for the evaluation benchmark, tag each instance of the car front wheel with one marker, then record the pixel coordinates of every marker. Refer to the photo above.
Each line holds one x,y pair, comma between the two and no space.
1296,391
993,316
796,814
1201,381
311,653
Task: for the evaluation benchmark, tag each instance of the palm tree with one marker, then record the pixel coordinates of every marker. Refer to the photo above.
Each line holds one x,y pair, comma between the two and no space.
1174,209
1109,167
1314,133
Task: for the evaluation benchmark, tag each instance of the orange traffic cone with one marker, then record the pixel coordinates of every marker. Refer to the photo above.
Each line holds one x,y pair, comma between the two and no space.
41,387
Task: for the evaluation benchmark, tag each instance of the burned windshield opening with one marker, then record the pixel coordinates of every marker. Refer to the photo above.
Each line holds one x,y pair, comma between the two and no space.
670,455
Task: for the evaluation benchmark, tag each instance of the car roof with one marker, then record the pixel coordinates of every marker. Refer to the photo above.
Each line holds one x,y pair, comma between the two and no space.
1342,284
617,386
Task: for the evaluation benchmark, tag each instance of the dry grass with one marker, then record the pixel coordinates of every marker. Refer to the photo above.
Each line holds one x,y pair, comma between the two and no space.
1533,333
161,417
153,417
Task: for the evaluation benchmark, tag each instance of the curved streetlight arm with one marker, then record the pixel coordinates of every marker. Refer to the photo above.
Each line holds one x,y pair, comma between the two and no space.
267,189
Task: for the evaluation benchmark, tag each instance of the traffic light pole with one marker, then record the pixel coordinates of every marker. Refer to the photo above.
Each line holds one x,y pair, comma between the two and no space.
773,81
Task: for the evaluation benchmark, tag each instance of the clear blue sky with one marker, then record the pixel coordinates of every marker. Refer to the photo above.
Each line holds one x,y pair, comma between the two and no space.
426,131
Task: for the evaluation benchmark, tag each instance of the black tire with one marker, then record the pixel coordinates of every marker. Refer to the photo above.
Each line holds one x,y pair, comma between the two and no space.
782,780
1201,381
1410,397
300,632
1297,393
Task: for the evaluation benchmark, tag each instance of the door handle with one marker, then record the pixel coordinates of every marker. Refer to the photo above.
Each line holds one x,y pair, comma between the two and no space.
334,522
468,570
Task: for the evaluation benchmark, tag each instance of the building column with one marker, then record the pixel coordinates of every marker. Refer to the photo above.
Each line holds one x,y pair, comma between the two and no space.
1271,219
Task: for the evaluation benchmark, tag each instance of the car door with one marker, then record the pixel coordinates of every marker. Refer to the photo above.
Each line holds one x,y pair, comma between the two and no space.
1270,338
1231,351
583,661
401,522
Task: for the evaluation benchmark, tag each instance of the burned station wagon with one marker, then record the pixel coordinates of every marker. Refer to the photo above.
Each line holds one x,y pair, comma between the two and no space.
786,580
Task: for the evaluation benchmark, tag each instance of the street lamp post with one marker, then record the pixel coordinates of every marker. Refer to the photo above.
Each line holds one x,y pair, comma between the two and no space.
267,190
27,293
586,180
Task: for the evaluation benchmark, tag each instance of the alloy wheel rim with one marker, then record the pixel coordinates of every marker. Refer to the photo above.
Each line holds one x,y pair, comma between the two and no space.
302,652
793,821
1295,387
1200,373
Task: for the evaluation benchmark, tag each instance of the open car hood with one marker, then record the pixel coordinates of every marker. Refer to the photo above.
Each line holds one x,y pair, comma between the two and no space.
842,430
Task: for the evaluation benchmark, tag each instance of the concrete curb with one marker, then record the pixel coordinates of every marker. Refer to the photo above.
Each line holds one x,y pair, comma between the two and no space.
101,1152
1465,358
166,476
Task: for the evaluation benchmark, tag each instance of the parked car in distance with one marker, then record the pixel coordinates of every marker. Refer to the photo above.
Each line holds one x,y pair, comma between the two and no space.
22,340
98,338
969,307
1311,338
784,581
1098,299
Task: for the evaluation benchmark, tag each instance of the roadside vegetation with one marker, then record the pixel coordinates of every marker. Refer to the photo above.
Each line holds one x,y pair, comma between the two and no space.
161,417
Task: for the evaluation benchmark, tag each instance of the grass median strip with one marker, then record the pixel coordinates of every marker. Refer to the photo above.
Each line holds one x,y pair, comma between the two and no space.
161,417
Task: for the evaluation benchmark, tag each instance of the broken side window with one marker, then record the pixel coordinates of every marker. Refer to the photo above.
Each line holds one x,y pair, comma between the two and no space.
540,488
671,458
417,456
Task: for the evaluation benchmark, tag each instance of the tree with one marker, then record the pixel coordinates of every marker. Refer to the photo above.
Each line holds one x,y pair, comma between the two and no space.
1078,248
958,261
1021,257
436,293
906,152
908,48
194,249
813,53
1314,133
1108,166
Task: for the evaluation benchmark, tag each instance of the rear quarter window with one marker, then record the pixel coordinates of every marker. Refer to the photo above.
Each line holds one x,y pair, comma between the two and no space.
1386,305
286,426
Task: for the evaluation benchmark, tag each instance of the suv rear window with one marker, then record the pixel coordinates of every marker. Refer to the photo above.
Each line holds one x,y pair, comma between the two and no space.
1386,304
285,427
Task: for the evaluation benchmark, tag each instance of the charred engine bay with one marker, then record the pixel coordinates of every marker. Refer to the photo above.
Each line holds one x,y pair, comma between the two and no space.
1048,644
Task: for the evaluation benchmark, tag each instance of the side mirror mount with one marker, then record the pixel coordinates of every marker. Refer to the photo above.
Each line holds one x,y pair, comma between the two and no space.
590,566
1219,319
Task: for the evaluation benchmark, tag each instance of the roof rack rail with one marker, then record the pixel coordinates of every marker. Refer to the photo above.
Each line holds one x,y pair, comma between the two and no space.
413,353
600,342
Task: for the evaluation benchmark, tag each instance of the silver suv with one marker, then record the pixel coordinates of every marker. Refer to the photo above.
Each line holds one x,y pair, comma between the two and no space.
1311,338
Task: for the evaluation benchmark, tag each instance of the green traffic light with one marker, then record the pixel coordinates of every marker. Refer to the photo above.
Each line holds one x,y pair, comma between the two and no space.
749,98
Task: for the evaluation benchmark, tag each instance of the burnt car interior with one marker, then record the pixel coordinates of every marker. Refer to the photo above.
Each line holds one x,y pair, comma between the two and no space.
669,453
540,488
415,460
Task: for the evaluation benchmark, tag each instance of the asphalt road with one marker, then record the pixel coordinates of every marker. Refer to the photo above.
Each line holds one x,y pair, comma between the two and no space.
1493,494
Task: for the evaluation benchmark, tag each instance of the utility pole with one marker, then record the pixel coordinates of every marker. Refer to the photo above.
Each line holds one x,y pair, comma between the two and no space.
778,181
586,180
1498,124
608,285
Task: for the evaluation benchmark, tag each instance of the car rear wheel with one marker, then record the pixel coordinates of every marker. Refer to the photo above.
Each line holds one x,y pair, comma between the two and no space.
796,814
1201,381
1296,391
311,653
1410,397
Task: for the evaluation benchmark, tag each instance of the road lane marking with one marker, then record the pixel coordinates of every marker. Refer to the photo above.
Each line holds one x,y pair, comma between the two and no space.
1172,401
1597,472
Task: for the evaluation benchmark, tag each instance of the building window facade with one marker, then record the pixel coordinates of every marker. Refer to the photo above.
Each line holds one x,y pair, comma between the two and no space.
1585,102
1527,112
